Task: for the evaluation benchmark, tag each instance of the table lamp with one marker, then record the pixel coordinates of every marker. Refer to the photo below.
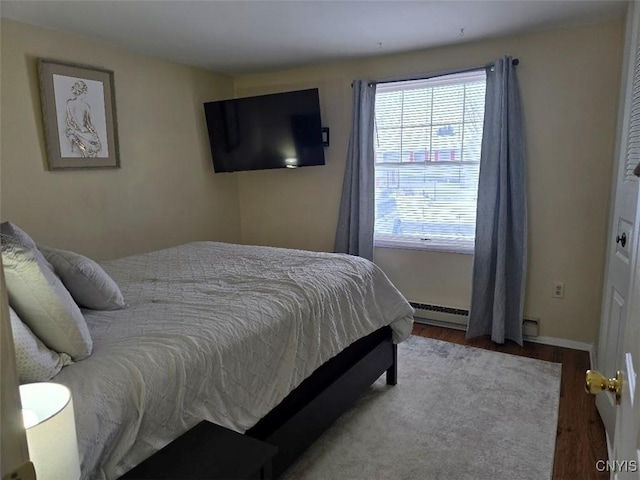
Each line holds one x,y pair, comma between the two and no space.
47,410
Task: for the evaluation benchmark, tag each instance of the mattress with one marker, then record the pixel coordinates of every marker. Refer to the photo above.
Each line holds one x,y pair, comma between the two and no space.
215,331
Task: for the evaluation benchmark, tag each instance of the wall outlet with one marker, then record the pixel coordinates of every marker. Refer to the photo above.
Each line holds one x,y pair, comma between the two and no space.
558,290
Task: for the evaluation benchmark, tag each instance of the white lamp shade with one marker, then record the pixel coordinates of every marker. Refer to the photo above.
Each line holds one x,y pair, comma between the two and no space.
53,447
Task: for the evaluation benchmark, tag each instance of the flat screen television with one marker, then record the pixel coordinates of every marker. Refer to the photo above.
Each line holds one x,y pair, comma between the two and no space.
282,130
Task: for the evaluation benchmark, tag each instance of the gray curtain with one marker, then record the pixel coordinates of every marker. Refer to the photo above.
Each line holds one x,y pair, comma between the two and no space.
357,205
499,263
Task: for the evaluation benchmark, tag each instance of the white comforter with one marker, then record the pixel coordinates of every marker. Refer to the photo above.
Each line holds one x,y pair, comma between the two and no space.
219,332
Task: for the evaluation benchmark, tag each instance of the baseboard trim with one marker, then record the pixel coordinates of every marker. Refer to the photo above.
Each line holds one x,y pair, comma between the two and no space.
553,341
562,342
593,359
440,323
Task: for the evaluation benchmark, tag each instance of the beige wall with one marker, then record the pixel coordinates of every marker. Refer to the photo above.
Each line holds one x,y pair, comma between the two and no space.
569,84
164,194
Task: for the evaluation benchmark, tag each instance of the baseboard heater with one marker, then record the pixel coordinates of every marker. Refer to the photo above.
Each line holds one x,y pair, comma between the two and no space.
459,317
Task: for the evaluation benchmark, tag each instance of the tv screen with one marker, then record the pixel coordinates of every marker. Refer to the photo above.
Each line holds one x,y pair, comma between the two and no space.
281,130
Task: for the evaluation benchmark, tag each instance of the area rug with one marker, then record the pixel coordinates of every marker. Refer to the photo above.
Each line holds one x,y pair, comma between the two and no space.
456,413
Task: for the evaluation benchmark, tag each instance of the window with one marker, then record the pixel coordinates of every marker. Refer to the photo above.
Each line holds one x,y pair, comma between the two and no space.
427,145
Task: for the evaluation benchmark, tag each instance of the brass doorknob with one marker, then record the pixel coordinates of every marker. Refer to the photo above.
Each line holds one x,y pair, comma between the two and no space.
598,383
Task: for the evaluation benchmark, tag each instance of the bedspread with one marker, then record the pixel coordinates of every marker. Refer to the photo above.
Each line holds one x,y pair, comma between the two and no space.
215,331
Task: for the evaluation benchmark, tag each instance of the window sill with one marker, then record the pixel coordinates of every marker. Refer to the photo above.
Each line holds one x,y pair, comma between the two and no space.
432,247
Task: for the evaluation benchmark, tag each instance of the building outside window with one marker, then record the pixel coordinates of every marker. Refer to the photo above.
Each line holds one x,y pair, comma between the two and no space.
428,136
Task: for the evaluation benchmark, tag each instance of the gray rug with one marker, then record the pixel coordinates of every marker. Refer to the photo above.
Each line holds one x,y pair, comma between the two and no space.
457,413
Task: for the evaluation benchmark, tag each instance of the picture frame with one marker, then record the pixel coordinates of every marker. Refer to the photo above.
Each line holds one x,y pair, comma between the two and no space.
79,115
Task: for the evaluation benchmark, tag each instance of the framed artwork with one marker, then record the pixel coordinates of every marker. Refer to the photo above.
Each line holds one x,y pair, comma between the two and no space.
79,116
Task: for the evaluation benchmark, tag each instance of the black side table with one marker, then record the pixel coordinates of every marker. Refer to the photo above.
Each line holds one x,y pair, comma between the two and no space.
208,452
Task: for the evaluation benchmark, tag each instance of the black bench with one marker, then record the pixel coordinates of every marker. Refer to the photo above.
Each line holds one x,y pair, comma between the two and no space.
208,452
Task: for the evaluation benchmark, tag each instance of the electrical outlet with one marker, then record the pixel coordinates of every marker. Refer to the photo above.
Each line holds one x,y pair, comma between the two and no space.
558,290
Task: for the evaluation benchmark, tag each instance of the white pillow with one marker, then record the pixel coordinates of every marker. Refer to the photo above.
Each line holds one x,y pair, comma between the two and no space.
34,361
87,282
11,230
42,301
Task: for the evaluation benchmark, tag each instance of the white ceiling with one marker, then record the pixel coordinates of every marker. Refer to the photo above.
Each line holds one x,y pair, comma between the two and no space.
250,36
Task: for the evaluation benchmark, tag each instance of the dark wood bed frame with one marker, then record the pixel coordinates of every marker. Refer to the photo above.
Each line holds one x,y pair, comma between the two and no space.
297,421
311,408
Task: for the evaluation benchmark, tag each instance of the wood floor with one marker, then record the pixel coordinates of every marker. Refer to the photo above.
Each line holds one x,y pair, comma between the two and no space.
581,440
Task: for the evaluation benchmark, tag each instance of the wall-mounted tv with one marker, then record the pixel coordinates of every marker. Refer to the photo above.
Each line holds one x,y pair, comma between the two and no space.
282,130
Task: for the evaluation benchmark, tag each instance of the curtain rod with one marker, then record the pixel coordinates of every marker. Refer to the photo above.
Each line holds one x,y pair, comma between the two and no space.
405,78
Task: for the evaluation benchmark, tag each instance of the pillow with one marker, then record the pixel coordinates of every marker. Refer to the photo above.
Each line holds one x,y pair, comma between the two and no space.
41,300
11,230
34,361
89,285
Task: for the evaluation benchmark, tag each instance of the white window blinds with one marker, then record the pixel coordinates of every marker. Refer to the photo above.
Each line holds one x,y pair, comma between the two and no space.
427,157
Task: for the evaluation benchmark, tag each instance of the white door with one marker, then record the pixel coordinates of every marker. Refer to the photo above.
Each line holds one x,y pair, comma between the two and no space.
624,390
622,241
624,463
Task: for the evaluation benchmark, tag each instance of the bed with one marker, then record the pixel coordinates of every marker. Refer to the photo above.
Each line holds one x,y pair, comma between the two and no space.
270,342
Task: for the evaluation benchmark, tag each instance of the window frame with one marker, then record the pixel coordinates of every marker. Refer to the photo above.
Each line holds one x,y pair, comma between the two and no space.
443,245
